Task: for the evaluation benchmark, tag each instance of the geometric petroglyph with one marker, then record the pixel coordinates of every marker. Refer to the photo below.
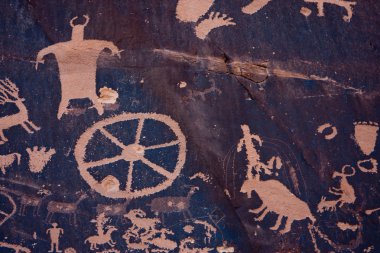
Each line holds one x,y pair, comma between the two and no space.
9,93
367,165
328,136
77,60
366,136
342,3
133,153
38,158
7,160
8,202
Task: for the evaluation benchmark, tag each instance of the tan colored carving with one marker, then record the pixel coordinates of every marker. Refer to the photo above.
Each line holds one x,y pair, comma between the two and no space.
77,66
331,135
371,161
225,248
255,6
192,10
69,208
188,229
145,233
182,84
130,153
55,232
70,250
210,230
7,160
205,178
253,157
371,211
369,249
186,246
15,247
214,20
107,96
104,233
346,226
342,3
278,199
305,11
38,158
366,136
9,93
345,192
11,202
173,204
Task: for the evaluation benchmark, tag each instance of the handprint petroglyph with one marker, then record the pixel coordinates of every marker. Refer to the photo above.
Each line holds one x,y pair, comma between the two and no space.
38,158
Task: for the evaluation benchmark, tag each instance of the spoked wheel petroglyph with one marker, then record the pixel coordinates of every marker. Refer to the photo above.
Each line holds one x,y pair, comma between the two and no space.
5,215
132,153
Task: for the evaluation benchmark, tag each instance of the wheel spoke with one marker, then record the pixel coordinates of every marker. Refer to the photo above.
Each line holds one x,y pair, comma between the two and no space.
112,138
164,145
157,168
102,162
128,186
139,130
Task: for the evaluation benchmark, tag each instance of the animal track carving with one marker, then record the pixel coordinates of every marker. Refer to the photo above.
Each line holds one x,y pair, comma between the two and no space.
38,158
214,20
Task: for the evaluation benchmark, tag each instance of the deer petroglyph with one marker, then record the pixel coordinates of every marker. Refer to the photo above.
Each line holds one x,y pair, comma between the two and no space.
77,66
9,93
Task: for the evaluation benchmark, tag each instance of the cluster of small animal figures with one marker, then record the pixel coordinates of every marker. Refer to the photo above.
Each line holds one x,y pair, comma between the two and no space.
149,234
194,11
277,198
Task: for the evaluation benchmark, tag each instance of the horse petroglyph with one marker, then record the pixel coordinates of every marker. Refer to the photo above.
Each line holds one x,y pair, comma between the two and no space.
77,66
366,136
103,233
7,160
147,233
55,232
132,153
9,93
38,158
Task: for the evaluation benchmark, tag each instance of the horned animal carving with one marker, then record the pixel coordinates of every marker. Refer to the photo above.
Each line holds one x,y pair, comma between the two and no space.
278,199
9,93
77,66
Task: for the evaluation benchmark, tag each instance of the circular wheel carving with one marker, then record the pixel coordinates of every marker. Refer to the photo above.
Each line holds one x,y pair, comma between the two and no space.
131,153
9,201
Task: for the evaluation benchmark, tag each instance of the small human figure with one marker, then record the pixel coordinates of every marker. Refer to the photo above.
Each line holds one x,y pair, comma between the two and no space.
54,232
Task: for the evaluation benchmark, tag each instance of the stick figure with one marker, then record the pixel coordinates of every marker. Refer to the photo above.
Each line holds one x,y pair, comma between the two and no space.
54,232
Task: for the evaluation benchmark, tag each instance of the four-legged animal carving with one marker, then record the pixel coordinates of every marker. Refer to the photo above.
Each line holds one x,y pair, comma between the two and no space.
9,93
64,208
345,192
278,199
33,201
101,239
172,204
8,160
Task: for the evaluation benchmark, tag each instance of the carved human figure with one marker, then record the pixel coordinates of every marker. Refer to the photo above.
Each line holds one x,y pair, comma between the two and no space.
77,66
55,232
